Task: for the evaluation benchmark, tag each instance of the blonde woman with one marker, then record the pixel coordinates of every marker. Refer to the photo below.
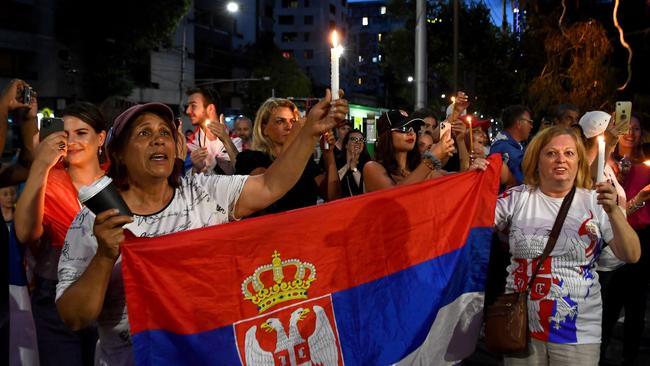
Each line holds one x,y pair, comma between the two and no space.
277,124
564,303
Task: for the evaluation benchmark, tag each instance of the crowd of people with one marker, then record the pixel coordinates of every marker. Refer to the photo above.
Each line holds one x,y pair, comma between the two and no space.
173,181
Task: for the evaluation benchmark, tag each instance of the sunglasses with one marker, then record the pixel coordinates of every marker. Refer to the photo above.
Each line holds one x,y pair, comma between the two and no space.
357,139
403,129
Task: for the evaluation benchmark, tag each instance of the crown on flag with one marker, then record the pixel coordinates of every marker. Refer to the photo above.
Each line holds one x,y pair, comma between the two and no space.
281,291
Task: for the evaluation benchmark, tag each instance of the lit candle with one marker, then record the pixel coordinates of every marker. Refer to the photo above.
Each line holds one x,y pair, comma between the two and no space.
336,53
647,162
600,172
471,143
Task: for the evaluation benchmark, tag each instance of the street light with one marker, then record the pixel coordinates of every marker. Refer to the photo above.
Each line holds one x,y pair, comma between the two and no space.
232,7
409,79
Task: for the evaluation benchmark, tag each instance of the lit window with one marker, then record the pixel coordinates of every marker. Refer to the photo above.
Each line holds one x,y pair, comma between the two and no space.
287,54
364,21
383,10
360,58
359,81
379,37
374,60
379,57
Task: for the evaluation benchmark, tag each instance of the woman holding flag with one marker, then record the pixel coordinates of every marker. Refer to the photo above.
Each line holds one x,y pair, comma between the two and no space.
148,173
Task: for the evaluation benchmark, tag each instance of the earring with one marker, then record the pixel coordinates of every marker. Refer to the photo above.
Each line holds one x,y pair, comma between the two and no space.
100,151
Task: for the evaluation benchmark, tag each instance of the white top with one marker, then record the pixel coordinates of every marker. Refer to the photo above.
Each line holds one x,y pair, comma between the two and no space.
200,201
217,153
564,305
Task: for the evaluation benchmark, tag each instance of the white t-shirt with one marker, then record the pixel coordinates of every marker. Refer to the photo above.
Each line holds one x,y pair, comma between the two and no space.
564,304
200,201
217,153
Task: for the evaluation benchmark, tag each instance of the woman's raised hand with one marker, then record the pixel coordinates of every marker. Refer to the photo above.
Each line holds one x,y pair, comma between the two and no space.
444,148
48,152
327,114
607,196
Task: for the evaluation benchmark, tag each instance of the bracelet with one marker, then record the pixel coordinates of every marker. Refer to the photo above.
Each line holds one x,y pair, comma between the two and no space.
632,205
431,161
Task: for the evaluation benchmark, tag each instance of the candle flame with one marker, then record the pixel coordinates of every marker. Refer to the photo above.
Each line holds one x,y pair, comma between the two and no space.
647,162
601,138
453,99
335,39
469,120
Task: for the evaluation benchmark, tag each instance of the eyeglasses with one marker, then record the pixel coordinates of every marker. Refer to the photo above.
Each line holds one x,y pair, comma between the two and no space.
403,129
527,120
357,139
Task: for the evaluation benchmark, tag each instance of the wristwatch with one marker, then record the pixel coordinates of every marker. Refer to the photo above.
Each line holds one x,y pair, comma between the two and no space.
431,160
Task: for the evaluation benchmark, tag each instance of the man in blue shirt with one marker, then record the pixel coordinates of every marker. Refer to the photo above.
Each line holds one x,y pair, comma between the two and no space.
517,125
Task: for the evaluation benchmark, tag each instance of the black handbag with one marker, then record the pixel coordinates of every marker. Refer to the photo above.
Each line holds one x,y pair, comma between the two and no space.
506,319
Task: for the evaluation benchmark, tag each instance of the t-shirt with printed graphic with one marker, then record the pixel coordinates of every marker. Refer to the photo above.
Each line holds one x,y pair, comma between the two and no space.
564,304
200,201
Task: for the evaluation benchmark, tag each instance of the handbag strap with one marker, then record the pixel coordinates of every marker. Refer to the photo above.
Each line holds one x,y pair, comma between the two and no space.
555,233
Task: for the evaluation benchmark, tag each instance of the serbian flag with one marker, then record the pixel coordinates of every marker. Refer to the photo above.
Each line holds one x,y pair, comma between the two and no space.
392,277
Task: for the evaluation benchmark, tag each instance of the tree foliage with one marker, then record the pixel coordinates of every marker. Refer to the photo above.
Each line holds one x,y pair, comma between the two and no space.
488,60
286,77
113,38
577,69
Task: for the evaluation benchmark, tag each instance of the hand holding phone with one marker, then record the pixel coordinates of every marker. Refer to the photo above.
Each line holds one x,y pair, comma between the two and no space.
49,125
445,128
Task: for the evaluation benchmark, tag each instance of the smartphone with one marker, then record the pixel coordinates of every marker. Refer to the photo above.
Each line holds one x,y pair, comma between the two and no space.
49,125
444,127
26,95
623,115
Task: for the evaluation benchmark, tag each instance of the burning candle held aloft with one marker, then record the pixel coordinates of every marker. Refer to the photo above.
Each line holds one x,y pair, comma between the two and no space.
600,169
336,52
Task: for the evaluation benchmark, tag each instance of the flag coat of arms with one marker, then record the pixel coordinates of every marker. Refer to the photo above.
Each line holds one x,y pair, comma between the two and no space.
391,277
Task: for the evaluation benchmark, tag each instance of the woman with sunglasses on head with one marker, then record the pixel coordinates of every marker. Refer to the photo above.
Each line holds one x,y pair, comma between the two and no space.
356,156
64,161
277,124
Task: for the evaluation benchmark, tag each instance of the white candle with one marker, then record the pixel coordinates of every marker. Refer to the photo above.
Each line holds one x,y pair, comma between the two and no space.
471,143
600,172
335,54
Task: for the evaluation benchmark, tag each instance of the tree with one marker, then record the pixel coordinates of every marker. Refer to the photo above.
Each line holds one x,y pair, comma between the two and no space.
583,61
113,39
576,69
488,68
287,78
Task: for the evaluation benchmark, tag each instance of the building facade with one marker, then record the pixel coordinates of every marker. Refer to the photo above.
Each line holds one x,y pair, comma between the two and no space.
369,23
302,31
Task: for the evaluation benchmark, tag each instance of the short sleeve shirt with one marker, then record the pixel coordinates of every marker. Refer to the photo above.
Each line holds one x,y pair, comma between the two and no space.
200,201
512,153
564,305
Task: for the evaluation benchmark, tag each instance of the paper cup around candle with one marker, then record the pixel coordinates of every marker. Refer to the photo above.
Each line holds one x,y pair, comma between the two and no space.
103,195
